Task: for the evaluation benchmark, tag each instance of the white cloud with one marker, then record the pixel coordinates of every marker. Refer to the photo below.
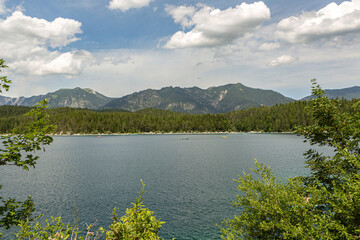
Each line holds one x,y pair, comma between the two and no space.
125,5
269,46
282,60
2,7
29,45
57,33
68,64
332,20
215,27
182,14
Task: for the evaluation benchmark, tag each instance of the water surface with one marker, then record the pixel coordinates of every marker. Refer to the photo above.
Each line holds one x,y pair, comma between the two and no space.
189,178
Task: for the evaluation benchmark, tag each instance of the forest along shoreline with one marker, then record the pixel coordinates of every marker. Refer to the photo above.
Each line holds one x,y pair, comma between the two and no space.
282,118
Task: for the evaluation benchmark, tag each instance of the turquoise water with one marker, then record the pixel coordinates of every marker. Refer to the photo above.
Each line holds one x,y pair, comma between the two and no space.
189,178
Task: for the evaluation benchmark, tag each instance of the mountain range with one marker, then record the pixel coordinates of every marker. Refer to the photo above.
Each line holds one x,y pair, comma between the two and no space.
196,100
346,93
75,98
219,99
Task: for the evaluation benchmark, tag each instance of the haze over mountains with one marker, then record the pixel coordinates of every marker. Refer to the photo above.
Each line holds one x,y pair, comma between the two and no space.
219,99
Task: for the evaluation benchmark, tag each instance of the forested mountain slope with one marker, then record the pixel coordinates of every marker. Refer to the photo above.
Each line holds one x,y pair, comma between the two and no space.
75,98
220,99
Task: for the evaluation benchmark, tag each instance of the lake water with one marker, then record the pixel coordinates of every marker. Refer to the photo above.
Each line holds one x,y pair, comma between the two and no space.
189,178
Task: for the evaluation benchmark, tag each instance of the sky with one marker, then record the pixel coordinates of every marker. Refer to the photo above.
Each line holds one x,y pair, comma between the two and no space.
118,47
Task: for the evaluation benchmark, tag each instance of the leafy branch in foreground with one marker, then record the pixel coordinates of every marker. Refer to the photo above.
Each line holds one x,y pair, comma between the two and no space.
31,139
4,82
323,205
15,145
138,223
54,229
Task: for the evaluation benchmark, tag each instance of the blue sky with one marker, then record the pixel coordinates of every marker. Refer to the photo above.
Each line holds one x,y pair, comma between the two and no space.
118,47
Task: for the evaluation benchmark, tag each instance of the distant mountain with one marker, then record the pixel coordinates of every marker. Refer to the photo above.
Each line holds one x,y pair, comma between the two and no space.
195,100
75,98
346,93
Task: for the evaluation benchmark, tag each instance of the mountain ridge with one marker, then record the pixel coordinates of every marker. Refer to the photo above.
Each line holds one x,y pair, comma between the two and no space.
65,97
347,93
219,99
216,99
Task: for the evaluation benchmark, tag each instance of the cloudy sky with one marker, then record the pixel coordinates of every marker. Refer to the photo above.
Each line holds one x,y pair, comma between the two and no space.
118,47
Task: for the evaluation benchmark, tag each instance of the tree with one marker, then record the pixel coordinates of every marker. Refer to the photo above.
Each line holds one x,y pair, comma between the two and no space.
323,205
15,145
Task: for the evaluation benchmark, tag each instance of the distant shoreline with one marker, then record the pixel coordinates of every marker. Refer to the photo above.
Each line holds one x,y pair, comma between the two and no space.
166,133
159,133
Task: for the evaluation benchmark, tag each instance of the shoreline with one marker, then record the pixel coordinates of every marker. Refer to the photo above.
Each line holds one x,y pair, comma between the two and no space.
159,133
166,133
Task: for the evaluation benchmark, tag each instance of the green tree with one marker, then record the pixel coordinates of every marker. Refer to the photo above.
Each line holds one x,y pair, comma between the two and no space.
323,205
15,145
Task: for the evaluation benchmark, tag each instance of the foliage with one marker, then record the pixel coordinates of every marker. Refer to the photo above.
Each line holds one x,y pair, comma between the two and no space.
271,208
12,211
334,128
139,223
4,82
54,229
323,205
31,139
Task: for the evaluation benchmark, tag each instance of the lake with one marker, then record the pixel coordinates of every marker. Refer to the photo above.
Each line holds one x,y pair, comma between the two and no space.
189,178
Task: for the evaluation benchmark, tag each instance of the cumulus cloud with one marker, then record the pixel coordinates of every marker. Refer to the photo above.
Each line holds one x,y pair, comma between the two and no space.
57,33
30,45
332,20
282,60
215,27
182,14
68,64
125,5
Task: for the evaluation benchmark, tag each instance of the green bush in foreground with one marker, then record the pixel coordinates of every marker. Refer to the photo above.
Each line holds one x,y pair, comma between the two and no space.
138,223
323,205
